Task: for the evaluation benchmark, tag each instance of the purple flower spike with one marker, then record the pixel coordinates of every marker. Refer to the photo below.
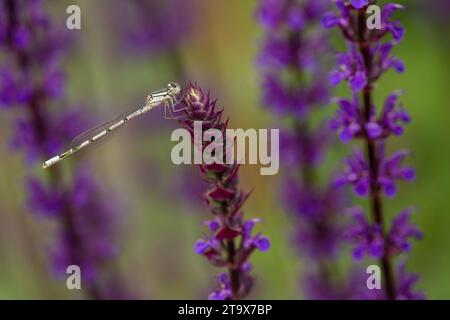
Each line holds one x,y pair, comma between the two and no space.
231,241
32,82
372,174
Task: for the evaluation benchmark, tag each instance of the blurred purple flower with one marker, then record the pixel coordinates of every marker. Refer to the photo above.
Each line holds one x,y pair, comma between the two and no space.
317,232
152,25
224,291
435,11
291,50
46,201
299,148
31,79
295,86
406,283
89,240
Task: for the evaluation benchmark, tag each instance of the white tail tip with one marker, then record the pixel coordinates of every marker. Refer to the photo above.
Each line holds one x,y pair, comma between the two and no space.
50,162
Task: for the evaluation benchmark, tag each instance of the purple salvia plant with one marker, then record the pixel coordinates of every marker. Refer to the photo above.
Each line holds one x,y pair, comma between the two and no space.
294,48
230,241
436,11
152,26
371,173
31,79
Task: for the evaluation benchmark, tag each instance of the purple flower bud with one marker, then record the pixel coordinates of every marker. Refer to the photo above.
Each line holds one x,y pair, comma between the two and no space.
373,130
201,246
358,81
213,224
224,292
263,243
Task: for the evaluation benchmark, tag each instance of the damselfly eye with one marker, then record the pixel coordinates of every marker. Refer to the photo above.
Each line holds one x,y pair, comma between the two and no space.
174,87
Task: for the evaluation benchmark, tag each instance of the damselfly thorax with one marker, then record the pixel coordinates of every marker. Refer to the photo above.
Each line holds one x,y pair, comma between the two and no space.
169,97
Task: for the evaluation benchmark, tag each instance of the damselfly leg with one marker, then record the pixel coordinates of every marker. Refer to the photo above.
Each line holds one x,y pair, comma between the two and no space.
170,110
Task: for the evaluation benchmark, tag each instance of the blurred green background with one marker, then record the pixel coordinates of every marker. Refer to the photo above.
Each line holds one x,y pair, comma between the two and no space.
159,223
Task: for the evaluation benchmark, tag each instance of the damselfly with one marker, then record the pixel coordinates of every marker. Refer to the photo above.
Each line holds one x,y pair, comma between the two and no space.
167,97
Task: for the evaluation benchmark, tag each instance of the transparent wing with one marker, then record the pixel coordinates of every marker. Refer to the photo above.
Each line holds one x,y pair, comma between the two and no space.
89,134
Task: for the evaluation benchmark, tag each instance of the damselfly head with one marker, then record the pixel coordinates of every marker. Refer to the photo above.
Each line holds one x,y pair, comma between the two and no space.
174,88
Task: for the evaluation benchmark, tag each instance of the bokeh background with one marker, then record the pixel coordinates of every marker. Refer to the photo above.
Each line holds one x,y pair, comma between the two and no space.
111,68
